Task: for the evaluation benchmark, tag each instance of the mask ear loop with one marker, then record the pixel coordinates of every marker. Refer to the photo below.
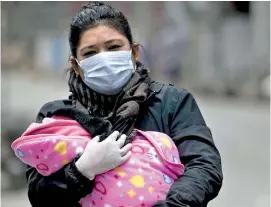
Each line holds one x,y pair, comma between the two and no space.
77,75
77,61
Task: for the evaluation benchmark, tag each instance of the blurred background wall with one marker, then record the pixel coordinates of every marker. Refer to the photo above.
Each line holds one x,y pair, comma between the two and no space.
222,47
218,50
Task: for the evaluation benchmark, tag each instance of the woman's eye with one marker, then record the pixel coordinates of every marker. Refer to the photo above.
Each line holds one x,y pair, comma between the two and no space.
114,47
90,53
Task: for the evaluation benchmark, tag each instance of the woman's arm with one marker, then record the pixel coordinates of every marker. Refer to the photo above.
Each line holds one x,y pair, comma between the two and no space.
203,177
67,186
63,188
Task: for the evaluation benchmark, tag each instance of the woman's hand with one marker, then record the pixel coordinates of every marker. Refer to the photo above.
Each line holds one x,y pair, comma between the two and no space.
100,157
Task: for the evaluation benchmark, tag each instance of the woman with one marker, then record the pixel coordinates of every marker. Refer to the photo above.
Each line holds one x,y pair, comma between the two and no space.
107,81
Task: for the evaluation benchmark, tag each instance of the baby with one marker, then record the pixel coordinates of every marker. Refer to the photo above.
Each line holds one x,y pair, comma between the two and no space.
141,181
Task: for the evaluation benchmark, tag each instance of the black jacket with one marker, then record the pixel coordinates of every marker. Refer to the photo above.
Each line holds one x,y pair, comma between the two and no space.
170,110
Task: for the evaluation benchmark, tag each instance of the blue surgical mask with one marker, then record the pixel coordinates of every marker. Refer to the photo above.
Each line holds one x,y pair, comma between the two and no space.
107,72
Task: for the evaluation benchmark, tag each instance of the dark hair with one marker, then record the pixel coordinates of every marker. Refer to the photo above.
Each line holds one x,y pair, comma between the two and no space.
94,14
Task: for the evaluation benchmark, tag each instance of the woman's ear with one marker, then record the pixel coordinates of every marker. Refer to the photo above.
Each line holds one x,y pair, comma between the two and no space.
74,65
136,52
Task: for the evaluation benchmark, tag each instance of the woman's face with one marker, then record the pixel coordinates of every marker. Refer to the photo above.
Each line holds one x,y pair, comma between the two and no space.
101,39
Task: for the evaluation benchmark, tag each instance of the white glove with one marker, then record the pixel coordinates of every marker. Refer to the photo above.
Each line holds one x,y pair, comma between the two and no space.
100,157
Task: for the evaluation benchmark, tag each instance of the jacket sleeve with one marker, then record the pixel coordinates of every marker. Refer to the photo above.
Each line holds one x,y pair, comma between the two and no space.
203,177
64,188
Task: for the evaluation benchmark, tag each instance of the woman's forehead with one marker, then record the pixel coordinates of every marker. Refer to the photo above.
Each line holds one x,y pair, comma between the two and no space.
100,35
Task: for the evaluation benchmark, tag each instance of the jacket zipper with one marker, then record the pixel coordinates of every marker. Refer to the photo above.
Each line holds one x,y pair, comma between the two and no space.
154,92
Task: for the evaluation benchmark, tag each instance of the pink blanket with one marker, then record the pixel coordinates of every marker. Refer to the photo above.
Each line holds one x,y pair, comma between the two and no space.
143,180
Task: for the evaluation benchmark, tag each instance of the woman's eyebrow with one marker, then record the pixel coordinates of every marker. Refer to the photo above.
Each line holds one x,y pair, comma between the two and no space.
113,40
